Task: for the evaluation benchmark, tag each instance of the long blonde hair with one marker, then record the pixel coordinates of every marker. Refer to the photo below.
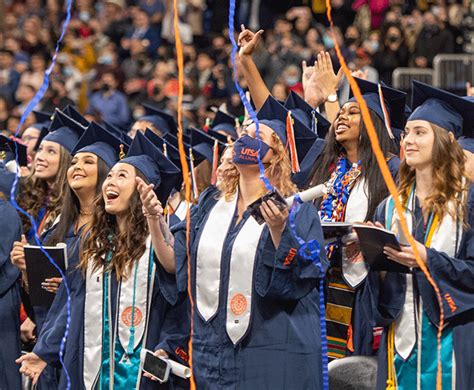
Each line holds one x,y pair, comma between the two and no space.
278,172
449,177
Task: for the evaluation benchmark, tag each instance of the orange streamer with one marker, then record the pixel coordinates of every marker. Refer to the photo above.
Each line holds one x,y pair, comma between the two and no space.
184,167
390,185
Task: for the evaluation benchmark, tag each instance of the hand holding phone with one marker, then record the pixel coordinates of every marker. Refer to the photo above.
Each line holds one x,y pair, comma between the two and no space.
156,367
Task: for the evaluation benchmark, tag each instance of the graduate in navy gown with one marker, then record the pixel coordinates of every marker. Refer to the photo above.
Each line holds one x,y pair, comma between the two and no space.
256,299
10,228
347,164
438,200
117,307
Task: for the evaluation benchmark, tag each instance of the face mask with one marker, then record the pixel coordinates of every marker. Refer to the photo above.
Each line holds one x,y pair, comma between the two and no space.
350,41
105,60
246,150
290,81
106,87
84,16
68,71
374,45
328,42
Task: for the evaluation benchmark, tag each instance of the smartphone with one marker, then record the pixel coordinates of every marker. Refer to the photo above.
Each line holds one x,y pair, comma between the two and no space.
156,366
273,195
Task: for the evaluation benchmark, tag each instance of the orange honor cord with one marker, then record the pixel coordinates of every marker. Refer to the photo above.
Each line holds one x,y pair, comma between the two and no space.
391,187
215,162
290,135
187,184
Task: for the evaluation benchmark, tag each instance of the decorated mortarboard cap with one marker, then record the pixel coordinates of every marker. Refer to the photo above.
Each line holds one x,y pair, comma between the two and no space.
307,115
10,147
102,143
394,101
445,109
65,131
274,115
163,122
226,123
204,144
301,178
73,113
154,165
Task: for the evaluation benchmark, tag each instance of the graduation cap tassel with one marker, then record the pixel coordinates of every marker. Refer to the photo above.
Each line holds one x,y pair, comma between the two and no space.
386,117
165,149
402,152
314,122
193,176
290,135
207,125
215,162
122,152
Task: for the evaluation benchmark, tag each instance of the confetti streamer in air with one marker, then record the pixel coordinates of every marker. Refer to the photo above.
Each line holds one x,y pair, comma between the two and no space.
31,105
390,185
244,99
185,169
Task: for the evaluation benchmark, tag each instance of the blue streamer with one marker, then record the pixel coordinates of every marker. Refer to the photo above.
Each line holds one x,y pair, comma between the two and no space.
36,99
244,99
310,251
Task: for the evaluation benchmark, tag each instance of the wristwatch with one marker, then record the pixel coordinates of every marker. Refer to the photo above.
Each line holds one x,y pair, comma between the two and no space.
332,98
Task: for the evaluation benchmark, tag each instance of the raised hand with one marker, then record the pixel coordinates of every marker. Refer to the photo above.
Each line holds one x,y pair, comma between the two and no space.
31,365
17,255
248,41
150,204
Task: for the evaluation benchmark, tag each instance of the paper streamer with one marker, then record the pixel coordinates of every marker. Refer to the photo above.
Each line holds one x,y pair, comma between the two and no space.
244,99
390,185
185,169
31,105
310,251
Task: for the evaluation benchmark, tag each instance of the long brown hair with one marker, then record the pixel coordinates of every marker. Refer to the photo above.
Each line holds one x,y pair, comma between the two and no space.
375,184
449,178
71,207
278,172
104,236
36,194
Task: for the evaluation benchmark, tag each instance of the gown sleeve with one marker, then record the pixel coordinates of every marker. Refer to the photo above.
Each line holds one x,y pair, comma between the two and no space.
453,275
283,273
10,228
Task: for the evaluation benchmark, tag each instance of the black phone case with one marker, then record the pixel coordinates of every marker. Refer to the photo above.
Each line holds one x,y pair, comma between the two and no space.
273,195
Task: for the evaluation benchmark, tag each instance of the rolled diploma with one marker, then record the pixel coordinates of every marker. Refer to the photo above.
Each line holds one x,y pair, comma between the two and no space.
310,194
179,369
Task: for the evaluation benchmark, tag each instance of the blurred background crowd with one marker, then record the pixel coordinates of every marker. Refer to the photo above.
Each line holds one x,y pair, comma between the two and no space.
118,54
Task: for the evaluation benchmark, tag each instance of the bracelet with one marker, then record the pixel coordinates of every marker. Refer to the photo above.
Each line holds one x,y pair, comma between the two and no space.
152,216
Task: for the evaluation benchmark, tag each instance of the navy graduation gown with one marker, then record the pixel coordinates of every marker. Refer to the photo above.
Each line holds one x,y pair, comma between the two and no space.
453,275
282,347
10,346
164,331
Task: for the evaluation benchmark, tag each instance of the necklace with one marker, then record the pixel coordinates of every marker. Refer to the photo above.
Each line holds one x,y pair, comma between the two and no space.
85,212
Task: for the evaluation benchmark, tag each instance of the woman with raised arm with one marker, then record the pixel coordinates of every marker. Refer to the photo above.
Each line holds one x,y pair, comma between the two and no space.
438,199
356,186
256,298
117,306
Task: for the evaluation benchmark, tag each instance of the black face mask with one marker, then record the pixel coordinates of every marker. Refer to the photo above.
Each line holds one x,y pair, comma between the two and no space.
106,87
350,41
393,38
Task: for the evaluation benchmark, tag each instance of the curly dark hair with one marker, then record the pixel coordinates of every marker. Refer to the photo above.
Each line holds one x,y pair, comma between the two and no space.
104,236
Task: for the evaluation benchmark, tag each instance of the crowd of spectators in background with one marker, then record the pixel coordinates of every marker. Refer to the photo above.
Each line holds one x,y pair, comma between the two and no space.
117,54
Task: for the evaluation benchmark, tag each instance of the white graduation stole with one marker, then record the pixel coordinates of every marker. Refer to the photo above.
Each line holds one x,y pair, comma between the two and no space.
93,314
208,268
444,240
358,202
